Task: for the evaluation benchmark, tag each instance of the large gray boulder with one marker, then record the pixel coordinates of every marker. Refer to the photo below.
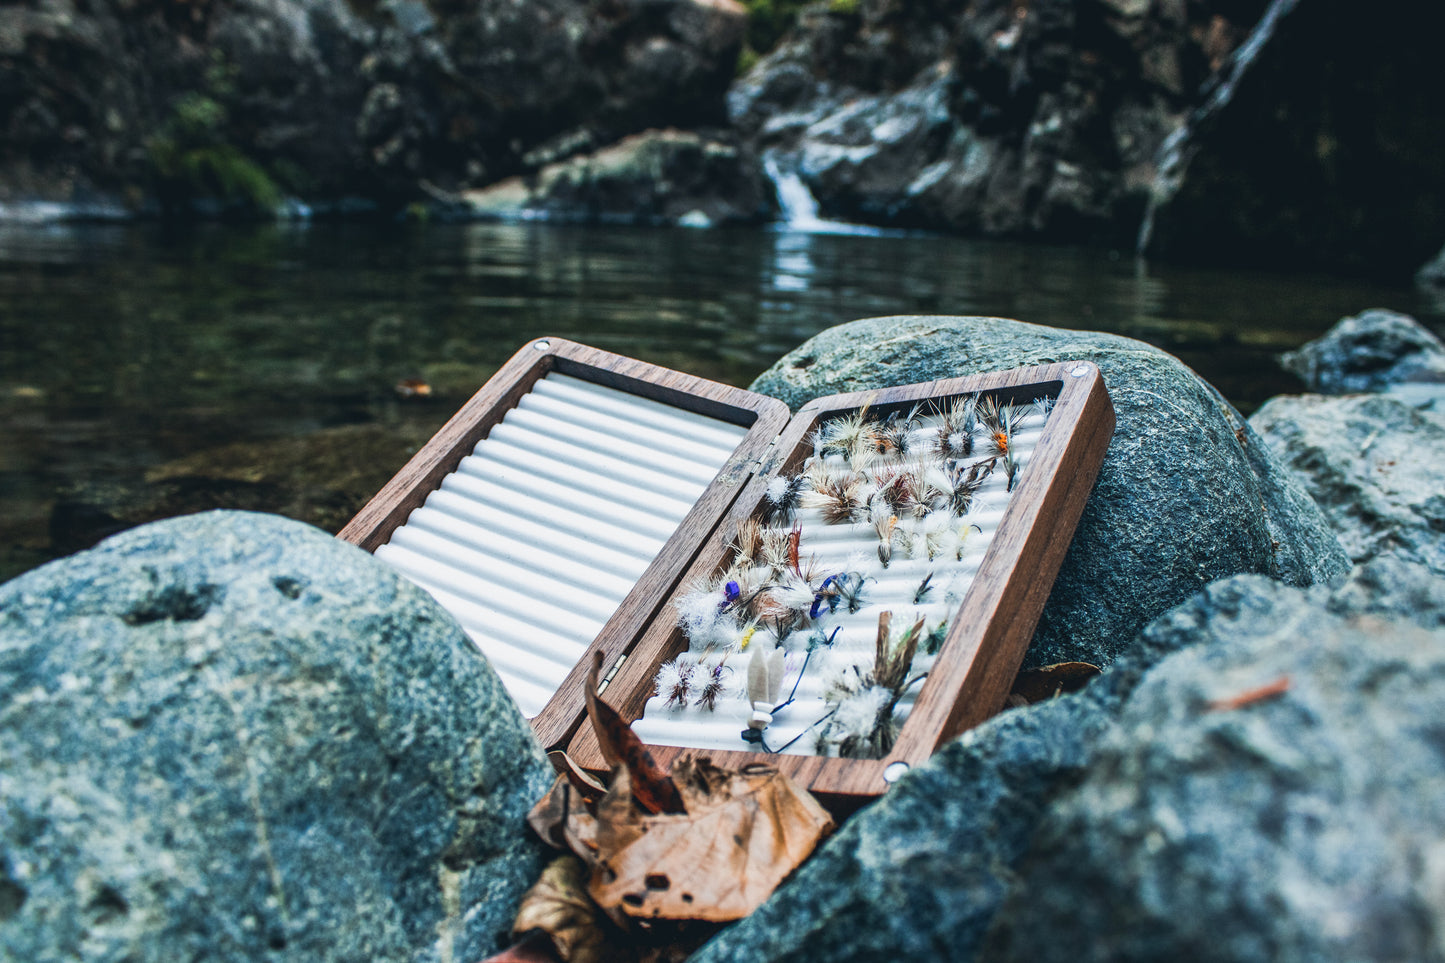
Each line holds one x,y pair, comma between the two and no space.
1373,351
1373,463
1274,792
921,873
1188,493
231,737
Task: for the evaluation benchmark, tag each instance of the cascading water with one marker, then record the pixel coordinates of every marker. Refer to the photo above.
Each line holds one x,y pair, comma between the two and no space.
798,205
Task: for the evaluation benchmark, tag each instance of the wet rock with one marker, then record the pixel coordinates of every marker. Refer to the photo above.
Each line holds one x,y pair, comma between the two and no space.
1317,146
232,737
656,177
1274,792
225,107
1188,493
1371,351
1373,463
1431,276
1039,119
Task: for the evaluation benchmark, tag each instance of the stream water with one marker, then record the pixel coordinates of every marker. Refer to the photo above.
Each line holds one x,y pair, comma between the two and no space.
147,371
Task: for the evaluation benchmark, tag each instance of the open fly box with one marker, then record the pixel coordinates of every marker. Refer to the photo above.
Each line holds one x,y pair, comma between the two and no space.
835,593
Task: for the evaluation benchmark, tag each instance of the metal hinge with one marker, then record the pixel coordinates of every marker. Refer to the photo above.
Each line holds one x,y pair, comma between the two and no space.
602,686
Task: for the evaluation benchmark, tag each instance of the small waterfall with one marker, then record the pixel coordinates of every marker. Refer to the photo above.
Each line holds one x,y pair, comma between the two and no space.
799,206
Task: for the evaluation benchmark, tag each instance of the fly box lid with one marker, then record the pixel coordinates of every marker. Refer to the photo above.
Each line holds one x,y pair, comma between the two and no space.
835,593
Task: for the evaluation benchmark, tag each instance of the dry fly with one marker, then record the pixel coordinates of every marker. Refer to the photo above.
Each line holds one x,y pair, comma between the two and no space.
835,493
887,529
896,434
780,498
924,587
846,436
775,549
955,433
966,483
674,680
747,542
714,687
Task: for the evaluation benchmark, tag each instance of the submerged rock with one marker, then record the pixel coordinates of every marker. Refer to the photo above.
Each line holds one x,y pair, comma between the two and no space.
1373,463
1276,794
1373,351
323,478
1188,493
231,737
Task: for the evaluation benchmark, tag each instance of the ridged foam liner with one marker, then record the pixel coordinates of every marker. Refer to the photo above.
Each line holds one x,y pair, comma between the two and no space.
833,651
538,535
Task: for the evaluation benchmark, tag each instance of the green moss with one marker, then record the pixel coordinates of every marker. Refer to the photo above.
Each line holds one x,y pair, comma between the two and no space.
768,21
192,155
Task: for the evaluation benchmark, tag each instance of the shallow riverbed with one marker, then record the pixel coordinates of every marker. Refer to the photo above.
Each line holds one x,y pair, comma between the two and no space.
147,371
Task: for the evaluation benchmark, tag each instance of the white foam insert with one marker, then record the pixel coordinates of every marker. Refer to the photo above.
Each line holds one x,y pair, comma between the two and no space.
540,533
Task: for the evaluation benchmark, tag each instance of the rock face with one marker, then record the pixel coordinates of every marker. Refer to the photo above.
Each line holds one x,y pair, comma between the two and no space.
921,873
1373,463
656,177
243,102
1187,494
229,736
1218,822
1317,146
992,117
1371,351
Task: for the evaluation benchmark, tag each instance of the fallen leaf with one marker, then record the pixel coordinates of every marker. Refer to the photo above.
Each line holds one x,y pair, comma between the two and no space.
1267,691
742,834
534,948
621,746
1045,682
413,388
563,820
558,905
581,780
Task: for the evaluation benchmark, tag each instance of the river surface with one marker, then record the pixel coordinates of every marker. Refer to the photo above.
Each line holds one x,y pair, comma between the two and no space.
147,371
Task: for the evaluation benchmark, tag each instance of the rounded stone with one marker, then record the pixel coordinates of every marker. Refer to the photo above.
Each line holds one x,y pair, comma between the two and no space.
229,736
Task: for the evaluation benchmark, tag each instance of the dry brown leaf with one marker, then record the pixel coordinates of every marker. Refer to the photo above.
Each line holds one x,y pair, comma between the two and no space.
741,836
621,746
591,789
558,905
563,820
533,948
1045,682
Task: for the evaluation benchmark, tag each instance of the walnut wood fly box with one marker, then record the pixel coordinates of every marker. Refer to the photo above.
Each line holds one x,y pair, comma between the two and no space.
733,565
